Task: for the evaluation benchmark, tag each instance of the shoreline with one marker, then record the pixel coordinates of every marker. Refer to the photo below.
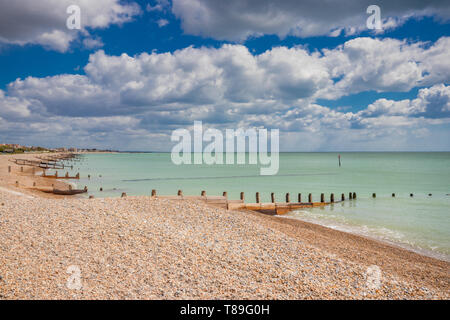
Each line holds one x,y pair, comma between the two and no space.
396,261
400,245
64,184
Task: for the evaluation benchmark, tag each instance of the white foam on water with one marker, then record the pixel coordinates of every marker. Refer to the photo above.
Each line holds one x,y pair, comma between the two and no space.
392,237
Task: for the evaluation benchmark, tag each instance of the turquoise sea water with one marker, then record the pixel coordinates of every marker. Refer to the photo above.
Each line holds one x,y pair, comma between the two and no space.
421,222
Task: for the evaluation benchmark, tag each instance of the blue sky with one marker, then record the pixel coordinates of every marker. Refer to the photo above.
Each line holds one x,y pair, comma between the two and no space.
140,69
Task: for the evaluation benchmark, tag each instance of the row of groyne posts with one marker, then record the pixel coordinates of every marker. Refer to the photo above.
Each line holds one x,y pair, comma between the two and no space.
51,162
269,208
272,207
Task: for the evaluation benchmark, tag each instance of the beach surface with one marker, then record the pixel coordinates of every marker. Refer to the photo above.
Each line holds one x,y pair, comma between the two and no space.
54,247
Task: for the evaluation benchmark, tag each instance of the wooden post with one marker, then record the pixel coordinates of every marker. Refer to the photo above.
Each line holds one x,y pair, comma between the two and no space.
322,197
343,197
310,198
257,197
332,197
9,169
374,195
180,193
299,198
354,195
272,197
287,198
350,196
203,193
124,194
393,195
153,193
242,196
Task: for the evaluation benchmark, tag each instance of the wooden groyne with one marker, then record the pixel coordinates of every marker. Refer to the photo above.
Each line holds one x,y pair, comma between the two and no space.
49,162
68,192
272,208
56,176
39,164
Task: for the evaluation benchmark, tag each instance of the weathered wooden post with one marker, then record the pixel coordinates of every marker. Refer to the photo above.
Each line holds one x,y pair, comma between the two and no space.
242,197
299,198
287,198
374,195
354,195
393,195
350,195
322,197
310,198
342,197
153,193
203,193
225,194
272,197
124,194
257,197
180,193
332,197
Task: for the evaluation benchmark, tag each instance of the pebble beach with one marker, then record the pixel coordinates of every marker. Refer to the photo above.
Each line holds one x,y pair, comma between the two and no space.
152,248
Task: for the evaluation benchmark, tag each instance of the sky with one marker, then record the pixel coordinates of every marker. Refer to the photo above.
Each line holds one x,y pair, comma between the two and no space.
135,71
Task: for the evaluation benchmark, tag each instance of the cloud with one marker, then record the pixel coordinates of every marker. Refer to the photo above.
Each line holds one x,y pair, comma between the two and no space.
133,98
433,103
92,43
44,22
160,5
238,20
162,22
364,64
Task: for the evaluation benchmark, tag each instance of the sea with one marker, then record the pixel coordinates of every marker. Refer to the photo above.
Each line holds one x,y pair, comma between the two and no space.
417,218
